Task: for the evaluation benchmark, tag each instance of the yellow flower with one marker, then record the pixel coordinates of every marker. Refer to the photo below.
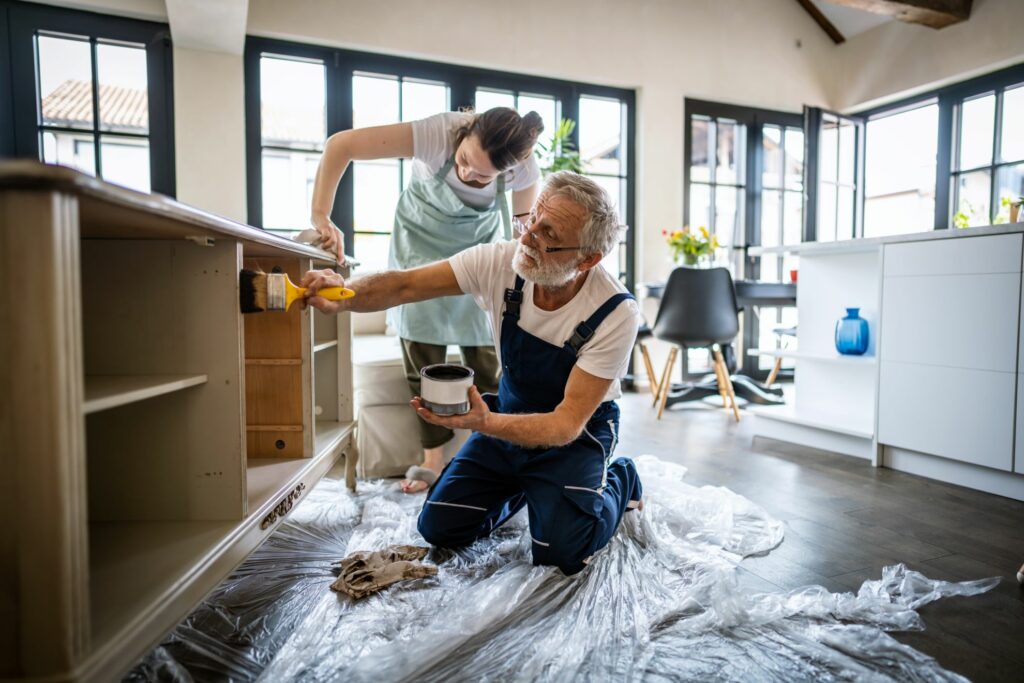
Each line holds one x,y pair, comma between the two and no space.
704,231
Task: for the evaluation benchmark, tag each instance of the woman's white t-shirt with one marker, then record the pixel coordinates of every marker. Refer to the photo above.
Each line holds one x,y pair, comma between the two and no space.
485,272
433,143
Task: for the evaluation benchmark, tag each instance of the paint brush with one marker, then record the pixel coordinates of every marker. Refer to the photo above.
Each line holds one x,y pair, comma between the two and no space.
259,292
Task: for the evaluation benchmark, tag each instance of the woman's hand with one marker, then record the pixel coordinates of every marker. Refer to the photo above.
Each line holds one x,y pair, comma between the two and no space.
330,236
475,420
314,281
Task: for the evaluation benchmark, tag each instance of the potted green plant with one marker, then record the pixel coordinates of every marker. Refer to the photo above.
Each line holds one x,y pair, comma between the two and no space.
688,247
563,153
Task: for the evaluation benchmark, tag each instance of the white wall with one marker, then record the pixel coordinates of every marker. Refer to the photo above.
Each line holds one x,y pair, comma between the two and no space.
209,131
897,60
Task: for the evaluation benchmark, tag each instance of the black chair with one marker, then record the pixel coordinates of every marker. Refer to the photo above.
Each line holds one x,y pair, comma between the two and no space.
698,310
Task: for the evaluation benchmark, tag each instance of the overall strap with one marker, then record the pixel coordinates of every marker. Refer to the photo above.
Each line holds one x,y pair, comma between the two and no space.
514,298
506,217
585,330
442,172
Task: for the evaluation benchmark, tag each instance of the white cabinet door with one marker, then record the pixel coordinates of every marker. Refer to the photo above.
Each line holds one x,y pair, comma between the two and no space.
959,321
962,414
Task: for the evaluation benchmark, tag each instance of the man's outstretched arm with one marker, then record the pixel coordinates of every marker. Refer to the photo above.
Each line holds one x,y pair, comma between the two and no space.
378,291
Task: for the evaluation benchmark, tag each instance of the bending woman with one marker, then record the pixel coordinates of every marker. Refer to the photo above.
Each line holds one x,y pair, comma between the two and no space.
463,164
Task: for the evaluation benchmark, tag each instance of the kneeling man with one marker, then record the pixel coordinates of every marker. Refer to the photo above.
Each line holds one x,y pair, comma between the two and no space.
565,329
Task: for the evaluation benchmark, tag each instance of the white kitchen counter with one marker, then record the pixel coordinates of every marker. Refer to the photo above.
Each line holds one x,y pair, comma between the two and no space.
939,392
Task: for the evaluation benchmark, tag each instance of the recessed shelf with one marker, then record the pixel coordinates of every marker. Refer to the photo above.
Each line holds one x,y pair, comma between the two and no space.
801,355
841,424
326,345
329,433
266,476
134,566
109,391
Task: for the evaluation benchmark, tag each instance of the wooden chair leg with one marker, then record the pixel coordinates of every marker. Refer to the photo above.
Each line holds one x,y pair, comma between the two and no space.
666,384
775,371
722,379
728,382
666,375
651,379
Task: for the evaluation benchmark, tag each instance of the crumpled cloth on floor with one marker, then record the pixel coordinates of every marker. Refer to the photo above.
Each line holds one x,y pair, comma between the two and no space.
363,573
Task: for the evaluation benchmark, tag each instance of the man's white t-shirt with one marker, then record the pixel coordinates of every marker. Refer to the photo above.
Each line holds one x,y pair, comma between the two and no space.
485,272
433,143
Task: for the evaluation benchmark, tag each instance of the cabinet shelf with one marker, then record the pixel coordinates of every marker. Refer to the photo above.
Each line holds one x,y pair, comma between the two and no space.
103,392
824,357
135,569
326,345
839,424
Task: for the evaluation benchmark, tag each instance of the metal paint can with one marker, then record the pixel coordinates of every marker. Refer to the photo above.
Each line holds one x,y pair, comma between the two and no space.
444,388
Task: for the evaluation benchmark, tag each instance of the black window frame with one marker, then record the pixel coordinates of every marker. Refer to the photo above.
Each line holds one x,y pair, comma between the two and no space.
22,21
462,82
813,119
753,118
6,94
948,99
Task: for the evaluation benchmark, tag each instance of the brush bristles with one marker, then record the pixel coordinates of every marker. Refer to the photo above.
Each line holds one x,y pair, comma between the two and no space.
252,291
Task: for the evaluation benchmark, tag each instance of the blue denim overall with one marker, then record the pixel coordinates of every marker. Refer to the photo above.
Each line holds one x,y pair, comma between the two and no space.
574,494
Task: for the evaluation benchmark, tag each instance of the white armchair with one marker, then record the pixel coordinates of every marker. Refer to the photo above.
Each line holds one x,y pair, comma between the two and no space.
387,435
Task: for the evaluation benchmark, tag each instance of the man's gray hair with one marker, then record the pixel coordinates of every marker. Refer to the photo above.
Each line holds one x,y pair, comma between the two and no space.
601,229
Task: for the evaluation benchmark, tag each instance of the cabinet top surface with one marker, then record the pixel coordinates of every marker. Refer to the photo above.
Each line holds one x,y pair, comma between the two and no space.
874,243
110,211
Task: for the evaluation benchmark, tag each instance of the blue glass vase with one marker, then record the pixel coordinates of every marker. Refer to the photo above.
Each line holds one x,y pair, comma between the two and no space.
852,333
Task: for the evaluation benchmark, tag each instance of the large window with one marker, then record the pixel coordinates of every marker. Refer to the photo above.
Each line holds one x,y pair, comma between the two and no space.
718,152
988,159
744,180
293,115
782,184
298,95
380,99
949,158
602,135
899,176
91,92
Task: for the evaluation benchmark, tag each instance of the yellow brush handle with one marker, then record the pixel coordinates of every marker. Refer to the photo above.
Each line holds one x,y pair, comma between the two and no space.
335,293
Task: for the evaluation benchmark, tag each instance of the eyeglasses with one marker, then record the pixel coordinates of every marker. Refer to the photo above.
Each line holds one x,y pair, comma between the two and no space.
519,227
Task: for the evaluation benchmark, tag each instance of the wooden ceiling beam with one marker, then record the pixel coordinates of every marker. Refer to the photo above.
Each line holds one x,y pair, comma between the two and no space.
932,13
822,21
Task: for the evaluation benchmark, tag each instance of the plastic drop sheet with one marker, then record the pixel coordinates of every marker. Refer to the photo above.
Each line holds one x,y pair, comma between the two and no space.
661,603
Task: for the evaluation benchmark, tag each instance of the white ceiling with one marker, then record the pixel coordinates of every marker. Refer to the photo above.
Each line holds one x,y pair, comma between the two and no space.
850,21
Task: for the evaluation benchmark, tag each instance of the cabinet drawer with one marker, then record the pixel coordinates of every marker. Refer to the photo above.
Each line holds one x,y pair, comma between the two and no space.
964,321
965,415
960,255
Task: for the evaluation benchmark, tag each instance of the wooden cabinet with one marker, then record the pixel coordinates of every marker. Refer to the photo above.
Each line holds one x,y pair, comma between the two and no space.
949,349
153,436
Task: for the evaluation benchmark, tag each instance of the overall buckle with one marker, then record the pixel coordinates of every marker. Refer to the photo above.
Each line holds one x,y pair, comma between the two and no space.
513,300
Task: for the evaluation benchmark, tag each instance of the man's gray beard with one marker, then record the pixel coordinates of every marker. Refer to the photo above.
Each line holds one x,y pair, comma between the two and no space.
547,275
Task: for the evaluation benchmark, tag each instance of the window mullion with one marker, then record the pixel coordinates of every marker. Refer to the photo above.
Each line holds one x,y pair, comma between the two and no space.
996,138
98,159
947,193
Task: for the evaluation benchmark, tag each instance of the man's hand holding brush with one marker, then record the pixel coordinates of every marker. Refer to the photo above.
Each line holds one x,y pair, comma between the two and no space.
315,280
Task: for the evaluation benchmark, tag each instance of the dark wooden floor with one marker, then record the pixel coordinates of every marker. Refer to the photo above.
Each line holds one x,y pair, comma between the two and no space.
846,520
